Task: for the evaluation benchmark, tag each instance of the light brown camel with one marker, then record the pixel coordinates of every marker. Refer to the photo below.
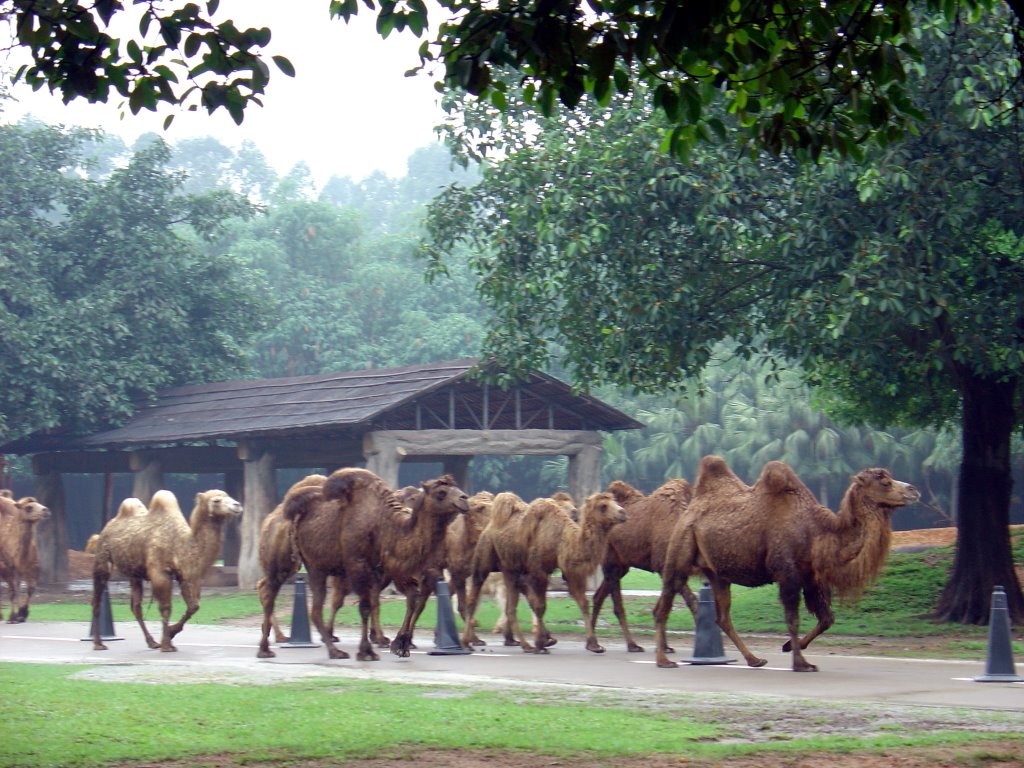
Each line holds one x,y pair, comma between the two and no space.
355,527
640,542
459,543
160,547
19,553
527,543
775,531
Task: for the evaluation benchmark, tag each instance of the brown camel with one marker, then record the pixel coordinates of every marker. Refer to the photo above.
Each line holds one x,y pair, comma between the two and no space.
640,542
775,531
459,543
19,553
355,527
280,561
527,543
160,547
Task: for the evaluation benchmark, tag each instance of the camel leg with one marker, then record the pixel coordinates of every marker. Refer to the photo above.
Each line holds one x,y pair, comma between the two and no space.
30,589
457,585
723,604
366,652
537,596
662,609
577,586
338,591
413,597
267,592
791,604
162,588
190,594
318,589
99,583
469,619
819,603
135,601
512,627
14,586
615,589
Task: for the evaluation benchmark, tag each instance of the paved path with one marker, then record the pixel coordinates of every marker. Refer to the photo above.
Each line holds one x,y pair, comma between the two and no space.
229,653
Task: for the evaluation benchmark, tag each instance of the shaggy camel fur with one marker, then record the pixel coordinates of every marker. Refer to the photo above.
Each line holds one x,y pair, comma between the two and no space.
19,553
160,546
355,527
775,531
459,543
527,543
280,561
640,542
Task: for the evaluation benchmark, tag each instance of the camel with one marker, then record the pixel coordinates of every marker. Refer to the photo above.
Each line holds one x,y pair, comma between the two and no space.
160,546
355,527
527,543
640,542
775,531
459,543
19,553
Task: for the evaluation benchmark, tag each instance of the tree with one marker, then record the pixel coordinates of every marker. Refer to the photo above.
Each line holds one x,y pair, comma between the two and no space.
880,281
106,296
804,75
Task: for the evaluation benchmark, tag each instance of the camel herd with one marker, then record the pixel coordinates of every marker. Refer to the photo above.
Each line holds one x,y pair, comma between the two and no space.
354,534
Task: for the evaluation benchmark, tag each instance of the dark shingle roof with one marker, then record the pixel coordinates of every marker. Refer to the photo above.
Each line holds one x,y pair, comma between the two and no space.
435,395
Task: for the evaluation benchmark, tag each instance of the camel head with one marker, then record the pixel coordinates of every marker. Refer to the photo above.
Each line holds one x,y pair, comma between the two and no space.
479,512
566,502
878,486
217,505
30,510
603,509
444,494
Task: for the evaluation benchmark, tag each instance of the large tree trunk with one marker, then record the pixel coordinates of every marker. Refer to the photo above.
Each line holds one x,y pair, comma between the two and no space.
983,554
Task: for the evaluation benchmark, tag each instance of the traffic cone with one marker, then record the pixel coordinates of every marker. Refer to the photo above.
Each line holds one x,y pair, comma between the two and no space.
707,646
299,636
999,667
106,620
446,636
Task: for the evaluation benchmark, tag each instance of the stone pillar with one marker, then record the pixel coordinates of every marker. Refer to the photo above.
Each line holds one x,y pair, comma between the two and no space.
585,473
383,456
458,467
234,486
148,477
52,534
259,498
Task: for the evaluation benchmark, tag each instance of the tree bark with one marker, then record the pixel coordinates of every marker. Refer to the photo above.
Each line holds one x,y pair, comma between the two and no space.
983,558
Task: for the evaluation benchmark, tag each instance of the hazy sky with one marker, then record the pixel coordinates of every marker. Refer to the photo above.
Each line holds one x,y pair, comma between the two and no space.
348,111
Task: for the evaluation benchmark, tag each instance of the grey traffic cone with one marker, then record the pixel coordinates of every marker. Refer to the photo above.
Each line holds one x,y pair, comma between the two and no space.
999,667
707,646
446,635
106,620
299,635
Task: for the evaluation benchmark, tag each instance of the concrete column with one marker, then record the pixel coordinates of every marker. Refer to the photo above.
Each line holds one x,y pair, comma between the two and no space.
234,486
148,476
52,534
382,456
585,473
259,498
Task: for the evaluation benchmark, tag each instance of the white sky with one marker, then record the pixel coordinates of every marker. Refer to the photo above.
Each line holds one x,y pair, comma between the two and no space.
348,111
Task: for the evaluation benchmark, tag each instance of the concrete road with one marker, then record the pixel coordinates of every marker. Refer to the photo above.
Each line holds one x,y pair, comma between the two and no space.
229,653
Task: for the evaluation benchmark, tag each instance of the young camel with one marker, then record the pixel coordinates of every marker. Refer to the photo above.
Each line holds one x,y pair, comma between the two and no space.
355,527
640,542
160,546
775,531
19,553
527,543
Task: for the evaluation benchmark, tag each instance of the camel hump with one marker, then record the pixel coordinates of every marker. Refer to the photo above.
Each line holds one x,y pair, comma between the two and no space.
131,507
90,545
299,500
624,492
777,477
713,471
505,506
677,492
343,484
164,503
6,493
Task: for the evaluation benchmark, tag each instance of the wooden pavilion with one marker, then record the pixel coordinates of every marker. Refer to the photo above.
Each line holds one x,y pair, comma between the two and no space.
376,418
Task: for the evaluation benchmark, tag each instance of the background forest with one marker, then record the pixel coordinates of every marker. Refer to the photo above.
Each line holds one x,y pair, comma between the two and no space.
245,273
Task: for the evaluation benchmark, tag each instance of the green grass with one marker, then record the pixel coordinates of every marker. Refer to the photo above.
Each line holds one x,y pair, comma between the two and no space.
53,716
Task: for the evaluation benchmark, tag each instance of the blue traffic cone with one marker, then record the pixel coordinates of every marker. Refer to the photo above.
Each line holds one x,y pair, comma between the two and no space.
299,636
446,636
999,668
707,646
106,620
